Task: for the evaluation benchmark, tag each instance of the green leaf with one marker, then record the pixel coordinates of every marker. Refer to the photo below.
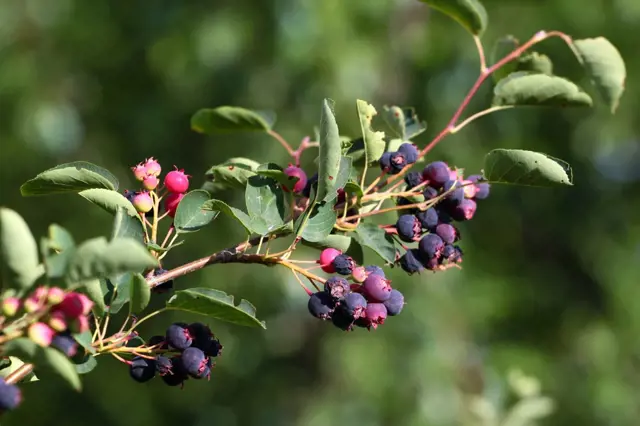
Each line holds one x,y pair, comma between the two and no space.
109,200
121,285
605,67
60,239
373,141
232,212
353,188
190,216
535,62
226,119
127,225
18,252
70,177
157,248
233,173
372,236
319,223
275,172
93,289
57,250
139,294
46,360
5,362
215,304
394,117
394,144
345,173
265,204
11,364
530,89
501,48
329,154
517,166
471,14
84,340
87,365
98,258
338,242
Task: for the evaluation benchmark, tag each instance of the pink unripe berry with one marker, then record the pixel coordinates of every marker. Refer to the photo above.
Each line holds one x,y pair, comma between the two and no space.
57,321
142,202
55,295
176,181
326,259
150,182
87,304
139,172
469,188
36,300
80,324
171,203
295,172
153,167
359,274
10,306
72,306
41,333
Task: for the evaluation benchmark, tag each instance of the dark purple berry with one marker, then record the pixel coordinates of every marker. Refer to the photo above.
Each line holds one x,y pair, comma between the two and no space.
385,161
432,264
342,319
142,369
482,188
214,349
158,340
429,193
177,375
454,192
398,162
178,336
452,254
429,218
413,179
164,287
410,152
437,173
321,305
376,288
65,344
431,246
163,365
343,264
375,314
374,270
201,335
448,233
354,304
405,202
464,211
408,227
410,262
395,303
10,396
312,181
337,287
194,362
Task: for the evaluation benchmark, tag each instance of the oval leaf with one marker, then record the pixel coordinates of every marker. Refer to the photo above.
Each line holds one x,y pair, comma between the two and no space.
530,89
372,236
84,340
215,304
344,175
18,251
239,215
605,67
190,216
338,242
93,289
471,14
46,360
109,200
139,294
87,365
329,152
70,177
517,166
373,141
265,204
127,225
319,223
535,62
225,119
502,47
233,173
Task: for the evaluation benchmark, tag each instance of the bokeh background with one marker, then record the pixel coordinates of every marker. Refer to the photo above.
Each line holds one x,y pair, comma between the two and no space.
551,278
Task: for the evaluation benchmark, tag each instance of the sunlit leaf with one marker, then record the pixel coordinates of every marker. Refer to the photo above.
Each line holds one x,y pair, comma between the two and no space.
70,177
521,167
531,89
471,14
226,119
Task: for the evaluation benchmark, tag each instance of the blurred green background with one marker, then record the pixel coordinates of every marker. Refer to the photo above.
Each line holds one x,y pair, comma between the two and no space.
551,278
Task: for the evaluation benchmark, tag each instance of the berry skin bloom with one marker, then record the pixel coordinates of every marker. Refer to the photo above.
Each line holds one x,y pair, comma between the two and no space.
337,287
343,264
176,181
10,396
171,202
354,304
326,259
142,202
142,370
431,246
410,152
178,336
195,362
398,162
376,288
448,233
374,270
385,161
429,193
321,305
413,179
395,303
410,262
409,227
464,211
429,218
300,184
437,173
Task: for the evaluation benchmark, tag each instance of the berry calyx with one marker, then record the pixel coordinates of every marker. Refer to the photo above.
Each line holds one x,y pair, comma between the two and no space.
142,369
171,202
431,246
398,162
153,167
139,172
295,172
375,314
409,227
326,259
195,362
142,201
337,287
177,375
385,161
376,288
176,181
178,336
163,365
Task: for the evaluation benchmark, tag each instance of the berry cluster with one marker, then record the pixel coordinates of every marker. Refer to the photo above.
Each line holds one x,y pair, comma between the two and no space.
454,199
185,351
394,162
365,303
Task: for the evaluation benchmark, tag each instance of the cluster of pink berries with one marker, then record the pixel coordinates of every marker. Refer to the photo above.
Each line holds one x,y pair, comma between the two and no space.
176,182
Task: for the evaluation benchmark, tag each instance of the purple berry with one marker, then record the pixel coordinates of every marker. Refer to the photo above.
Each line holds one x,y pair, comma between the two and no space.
432,264
142,370
177,375
451,254
337,287
375,314
398,162
195,362
312,181
163,365
431,246
374,270
454,191
429,193
10,396
158,340
429,218
395,303
448,233
201,335
385,161
342,319
437,173
343,264
376,288
214,349
408,227
405,202
321,305
354,304
178,336
464,211
65,344
410,262
410,152
165,286
413,179
482,188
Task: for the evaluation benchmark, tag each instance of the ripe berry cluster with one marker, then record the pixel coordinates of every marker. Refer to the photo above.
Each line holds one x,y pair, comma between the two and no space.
455,200
394,162
186,350
364,303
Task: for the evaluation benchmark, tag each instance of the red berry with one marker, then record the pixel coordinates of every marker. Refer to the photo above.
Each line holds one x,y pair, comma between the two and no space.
176,181
326,259
72,306
294,171
171,203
